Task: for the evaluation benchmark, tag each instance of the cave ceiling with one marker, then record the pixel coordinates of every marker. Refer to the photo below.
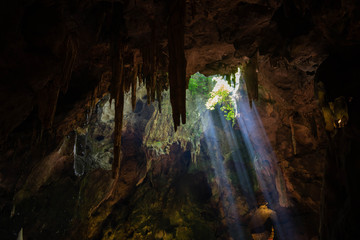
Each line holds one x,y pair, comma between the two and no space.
62,61
59,53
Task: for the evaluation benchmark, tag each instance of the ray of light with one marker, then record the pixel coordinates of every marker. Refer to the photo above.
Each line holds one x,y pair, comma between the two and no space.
225,188
239,160
252,136
265,164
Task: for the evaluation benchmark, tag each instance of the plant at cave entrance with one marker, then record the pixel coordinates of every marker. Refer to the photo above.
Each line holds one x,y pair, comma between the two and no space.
216,91
222,95
199,84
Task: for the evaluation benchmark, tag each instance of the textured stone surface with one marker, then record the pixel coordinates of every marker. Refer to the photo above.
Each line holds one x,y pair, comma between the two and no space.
39,39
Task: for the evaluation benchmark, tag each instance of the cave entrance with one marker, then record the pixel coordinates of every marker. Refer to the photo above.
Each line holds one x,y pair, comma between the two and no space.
220,160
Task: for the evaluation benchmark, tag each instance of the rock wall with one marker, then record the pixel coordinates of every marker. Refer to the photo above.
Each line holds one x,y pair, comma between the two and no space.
55,65
171,185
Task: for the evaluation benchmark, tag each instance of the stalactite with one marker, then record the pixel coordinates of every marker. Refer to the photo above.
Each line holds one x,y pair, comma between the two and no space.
153,86
177,61
146,71
293,134
193,8
158,95
148,92
150,65
119,107
34,135
140,74
313,126
117,88
47,100
128,74
153,64
71,54
117,84
133,87
251,78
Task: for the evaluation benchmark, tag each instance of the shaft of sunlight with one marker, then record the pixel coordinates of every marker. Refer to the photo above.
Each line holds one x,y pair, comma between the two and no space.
248,141
217,161
238,159
264,161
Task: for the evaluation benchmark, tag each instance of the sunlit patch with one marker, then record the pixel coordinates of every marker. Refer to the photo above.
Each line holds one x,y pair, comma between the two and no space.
228,98
224,95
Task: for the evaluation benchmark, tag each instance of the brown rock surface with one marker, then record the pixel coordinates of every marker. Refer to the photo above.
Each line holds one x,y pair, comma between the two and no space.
55,65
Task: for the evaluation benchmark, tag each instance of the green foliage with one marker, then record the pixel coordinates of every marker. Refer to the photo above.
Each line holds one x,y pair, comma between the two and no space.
229,112
221,96
227,106
199,84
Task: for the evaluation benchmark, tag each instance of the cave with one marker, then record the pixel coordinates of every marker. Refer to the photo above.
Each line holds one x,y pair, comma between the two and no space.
179,119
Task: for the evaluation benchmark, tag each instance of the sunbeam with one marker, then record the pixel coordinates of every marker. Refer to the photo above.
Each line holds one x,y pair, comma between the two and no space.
217,161
247,139
265,163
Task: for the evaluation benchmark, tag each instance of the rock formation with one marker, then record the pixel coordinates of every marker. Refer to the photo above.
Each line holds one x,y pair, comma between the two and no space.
100,138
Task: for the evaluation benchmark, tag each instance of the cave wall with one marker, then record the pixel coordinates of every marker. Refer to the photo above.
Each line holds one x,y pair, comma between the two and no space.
338,208
167,186
55,65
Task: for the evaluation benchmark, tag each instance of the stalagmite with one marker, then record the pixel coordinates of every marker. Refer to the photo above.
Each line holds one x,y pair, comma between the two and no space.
251,78
177,61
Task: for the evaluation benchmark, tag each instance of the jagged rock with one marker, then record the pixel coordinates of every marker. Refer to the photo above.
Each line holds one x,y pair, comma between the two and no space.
55,66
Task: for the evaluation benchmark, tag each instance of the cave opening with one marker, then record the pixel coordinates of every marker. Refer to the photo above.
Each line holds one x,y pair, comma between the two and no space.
221,156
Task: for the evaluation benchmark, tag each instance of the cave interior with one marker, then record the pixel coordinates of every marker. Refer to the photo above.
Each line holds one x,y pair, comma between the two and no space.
179,119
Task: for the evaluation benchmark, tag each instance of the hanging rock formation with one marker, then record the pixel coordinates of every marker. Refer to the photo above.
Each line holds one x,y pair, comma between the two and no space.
59,59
